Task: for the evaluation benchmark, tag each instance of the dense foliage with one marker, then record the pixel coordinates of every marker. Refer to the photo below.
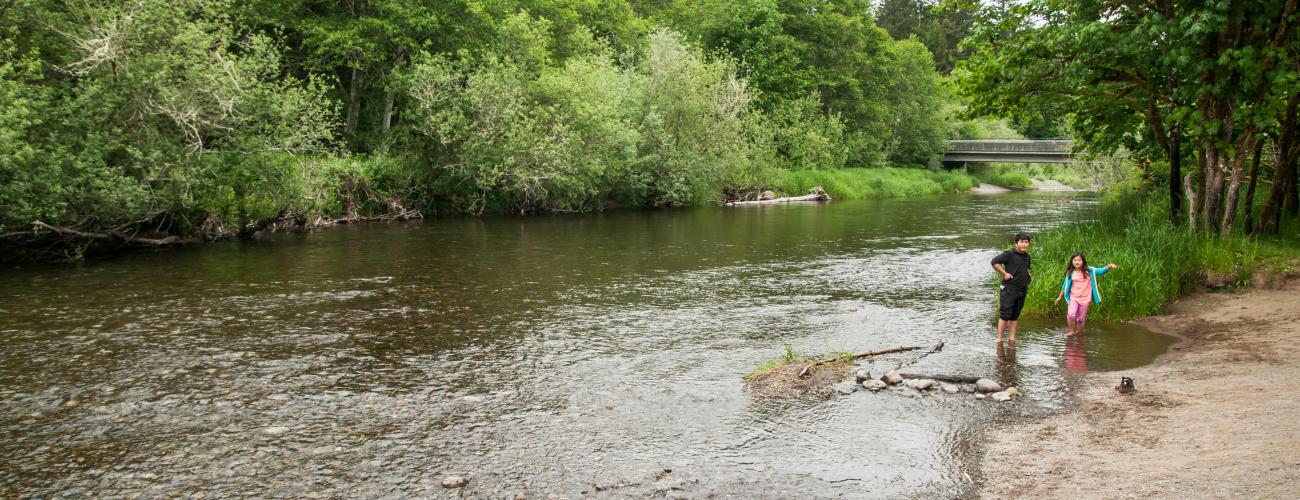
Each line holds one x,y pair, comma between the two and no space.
1214,85
158,121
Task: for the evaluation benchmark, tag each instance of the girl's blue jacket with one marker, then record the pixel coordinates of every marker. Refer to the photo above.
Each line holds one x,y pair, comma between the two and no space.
1095,272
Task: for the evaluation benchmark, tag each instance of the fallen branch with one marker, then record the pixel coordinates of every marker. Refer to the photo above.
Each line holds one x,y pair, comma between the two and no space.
132,239
861,355
937,347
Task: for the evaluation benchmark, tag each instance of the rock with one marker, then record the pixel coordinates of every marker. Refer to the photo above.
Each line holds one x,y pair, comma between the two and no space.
1214,279
70,404
891,378
862,375
949,388
472,399
1013,391
874,385
767,195
967,388
454,482
986,385
920,384
980,396
1000,396
846,387
277,430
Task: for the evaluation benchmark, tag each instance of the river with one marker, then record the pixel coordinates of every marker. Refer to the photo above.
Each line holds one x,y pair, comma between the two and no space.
597,355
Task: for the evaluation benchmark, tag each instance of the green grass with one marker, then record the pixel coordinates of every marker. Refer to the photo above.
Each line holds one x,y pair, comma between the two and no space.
1019,174
865,183
790,357
1156,262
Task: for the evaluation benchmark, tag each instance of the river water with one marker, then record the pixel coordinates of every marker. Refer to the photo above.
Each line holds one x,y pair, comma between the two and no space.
578,356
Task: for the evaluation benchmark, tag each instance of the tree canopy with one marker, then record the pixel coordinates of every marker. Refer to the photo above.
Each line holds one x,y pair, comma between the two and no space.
1169,81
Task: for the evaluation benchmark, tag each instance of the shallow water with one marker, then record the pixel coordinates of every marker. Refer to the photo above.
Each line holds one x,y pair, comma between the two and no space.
564,355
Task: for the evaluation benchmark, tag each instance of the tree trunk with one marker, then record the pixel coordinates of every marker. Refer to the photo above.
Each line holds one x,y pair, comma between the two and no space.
389,97
1248,209
1291,205
1213,192
1284,175
354,105
1175,174
1245,143
1194,188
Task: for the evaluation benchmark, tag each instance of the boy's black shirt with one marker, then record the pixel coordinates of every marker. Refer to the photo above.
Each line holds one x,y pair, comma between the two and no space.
1017,264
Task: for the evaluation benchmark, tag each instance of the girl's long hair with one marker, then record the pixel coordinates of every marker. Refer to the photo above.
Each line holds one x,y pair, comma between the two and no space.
1069,265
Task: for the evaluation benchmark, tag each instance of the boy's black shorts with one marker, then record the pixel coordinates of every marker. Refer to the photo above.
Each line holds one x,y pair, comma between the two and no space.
1010,302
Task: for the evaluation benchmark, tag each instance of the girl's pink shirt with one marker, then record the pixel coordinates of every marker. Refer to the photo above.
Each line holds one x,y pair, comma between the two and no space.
1081,287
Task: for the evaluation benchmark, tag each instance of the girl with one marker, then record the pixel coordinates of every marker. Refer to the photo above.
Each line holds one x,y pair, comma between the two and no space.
1081,284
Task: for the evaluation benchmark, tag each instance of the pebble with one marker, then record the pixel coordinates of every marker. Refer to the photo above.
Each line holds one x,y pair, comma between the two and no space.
454,482
892,378
472,399
1000,396
862,375
920,384
275,430
949,388
874,385
980,396
1013,391
986,385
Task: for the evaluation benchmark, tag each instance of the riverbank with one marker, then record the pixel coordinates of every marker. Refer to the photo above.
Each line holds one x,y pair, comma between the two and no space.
868,183
1216,416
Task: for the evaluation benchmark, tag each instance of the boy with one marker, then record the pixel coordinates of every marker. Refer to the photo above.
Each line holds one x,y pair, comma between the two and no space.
1013,266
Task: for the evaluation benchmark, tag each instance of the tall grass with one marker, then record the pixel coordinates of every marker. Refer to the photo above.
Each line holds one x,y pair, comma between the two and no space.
1019,174
1156,262
863,183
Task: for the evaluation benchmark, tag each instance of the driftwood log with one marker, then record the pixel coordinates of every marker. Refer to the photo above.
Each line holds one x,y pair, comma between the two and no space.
115,234
956,379
815,194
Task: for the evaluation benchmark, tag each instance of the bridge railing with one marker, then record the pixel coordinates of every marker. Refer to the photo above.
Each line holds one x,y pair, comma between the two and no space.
1060,146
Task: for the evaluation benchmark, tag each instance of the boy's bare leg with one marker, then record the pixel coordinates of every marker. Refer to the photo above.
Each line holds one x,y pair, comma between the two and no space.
1012,326
1002,325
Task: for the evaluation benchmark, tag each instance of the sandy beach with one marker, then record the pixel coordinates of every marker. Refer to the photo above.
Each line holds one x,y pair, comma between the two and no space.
1217,416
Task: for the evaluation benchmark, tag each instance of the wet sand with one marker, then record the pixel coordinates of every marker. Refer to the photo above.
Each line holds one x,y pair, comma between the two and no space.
1217,416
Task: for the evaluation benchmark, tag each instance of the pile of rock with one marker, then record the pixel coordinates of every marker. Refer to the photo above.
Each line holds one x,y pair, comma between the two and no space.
982,388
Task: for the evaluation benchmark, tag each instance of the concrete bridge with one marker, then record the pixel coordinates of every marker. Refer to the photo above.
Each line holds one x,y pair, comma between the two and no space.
1007,151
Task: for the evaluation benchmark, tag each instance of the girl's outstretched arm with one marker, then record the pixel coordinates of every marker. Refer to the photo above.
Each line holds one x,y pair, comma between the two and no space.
1058,297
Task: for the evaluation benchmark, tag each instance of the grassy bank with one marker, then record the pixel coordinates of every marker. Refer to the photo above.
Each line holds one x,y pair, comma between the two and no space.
1156,262
1020,174
863,183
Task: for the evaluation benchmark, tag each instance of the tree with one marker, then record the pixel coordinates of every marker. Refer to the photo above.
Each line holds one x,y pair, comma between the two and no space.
1146,75
940,26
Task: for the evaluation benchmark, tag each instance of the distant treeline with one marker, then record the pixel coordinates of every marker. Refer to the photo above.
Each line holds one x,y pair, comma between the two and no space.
157,121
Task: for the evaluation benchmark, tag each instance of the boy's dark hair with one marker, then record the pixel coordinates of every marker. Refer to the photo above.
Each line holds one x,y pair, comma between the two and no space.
1018,237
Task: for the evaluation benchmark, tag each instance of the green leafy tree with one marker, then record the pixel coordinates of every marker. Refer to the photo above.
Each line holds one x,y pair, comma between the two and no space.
1166,80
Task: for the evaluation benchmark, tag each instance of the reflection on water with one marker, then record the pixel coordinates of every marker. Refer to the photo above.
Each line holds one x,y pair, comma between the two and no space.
544,355
1076,357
